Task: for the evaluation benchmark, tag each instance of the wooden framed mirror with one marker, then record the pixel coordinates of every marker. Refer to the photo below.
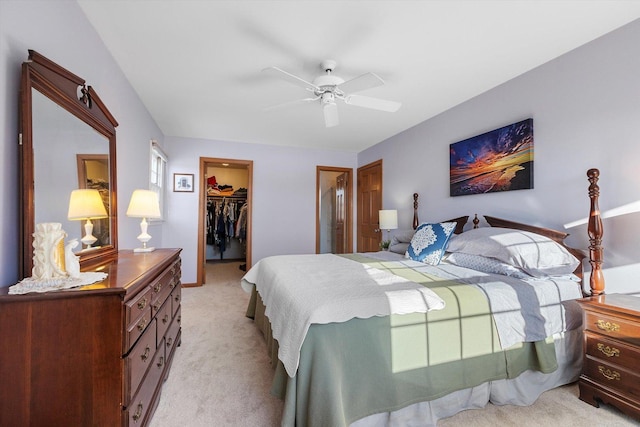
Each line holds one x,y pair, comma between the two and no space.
63,123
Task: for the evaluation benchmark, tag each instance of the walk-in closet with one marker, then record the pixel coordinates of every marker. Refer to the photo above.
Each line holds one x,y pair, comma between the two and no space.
226,214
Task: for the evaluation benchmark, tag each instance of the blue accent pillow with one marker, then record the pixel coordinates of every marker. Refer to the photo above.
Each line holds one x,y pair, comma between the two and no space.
430,241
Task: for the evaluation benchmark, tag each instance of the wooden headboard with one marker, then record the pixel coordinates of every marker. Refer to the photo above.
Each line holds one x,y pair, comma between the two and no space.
594,230
555,235
460,221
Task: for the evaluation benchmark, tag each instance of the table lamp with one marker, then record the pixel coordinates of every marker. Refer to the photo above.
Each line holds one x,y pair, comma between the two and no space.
388,220
144,204
86,204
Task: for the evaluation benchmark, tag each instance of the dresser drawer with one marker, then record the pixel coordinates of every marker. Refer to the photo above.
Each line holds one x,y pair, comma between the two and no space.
612,326
138,361
136,307
163,320
136,328
140,409
176,297
171,336
612,376
611,351
160,291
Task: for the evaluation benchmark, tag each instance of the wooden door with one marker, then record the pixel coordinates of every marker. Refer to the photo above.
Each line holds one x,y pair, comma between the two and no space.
369,203
339,237
340,179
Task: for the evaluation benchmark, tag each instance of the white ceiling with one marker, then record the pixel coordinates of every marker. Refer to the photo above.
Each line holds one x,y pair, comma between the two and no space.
197,65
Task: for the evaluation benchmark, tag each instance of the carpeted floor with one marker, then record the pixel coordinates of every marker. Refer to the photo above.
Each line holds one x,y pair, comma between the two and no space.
221,374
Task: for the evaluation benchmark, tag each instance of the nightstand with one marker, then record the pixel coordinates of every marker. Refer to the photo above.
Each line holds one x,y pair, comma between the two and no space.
611,368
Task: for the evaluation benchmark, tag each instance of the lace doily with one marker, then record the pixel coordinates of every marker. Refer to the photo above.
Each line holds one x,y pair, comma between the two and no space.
30,284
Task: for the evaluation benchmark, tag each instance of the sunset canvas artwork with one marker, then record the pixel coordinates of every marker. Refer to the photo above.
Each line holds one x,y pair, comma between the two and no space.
499,160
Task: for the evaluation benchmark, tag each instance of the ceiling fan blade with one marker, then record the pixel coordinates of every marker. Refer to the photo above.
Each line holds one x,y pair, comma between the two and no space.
360,83
373,103
290,78
290,103
330,110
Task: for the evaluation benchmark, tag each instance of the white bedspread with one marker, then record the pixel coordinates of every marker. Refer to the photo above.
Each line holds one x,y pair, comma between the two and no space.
327,288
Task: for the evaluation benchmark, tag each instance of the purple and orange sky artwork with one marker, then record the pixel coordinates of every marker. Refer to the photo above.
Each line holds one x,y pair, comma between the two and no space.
499,160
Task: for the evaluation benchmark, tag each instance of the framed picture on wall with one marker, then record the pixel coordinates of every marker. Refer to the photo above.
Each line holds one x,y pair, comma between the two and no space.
183,182
499,160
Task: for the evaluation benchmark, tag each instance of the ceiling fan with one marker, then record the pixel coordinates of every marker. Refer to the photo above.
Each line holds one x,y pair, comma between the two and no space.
328,88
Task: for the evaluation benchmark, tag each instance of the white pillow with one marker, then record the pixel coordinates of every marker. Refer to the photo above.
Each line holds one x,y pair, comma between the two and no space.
402,237
399,248
533,253
486,265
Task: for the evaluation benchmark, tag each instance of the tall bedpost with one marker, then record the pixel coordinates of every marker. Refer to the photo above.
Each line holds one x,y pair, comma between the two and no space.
415,210
594,229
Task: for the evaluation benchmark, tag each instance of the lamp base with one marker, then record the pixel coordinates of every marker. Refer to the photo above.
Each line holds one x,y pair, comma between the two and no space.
148,249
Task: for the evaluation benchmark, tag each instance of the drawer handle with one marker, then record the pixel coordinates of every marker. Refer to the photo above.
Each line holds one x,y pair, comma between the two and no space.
142,324
157,287
608,351
145,355
165,319
172,284
138,413
177,298
608,373
156,306
169,342
179,319
607,326
142,304
161,362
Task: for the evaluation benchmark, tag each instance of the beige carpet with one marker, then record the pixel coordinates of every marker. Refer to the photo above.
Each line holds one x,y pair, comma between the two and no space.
221,374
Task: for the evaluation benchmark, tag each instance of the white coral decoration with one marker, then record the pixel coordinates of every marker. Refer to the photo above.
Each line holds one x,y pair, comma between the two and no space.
71,260
46,240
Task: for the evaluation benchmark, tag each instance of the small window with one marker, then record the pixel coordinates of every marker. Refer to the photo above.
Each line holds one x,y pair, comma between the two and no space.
158,173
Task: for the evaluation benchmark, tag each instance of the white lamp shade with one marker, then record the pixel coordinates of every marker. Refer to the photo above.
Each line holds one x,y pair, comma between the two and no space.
388,219
144,204
86,204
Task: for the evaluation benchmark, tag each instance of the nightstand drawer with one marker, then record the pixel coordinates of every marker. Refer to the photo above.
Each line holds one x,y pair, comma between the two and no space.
612,376
612,326
611,351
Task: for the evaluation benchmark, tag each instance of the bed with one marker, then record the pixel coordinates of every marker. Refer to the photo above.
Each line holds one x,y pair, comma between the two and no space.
379,339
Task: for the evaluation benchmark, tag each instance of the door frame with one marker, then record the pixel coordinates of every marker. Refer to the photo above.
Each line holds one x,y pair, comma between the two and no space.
348,208
202,204
374,164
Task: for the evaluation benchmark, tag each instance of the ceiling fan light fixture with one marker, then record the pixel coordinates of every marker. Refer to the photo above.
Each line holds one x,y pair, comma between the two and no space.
330,111
328,98
328,88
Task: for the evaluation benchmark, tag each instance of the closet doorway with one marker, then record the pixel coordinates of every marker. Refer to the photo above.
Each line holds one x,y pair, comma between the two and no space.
334,230
224,218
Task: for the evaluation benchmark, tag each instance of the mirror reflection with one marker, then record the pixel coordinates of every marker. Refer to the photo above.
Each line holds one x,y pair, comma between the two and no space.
68,155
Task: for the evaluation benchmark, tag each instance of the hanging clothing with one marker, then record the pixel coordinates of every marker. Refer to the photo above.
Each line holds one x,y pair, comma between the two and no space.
225,221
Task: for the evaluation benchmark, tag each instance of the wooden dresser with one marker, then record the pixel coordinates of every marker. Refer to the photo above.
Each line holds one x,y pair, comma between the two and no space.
611,370
96,355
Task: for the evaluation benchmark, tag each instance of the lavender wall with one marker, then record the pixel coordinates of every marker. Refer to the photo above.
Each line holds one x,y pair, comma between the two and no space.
60,31
284,199
586,110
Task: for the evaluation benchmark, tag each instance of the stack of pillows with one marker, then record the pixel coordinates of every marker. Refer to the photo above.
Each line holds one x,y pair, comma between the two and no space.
505,251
